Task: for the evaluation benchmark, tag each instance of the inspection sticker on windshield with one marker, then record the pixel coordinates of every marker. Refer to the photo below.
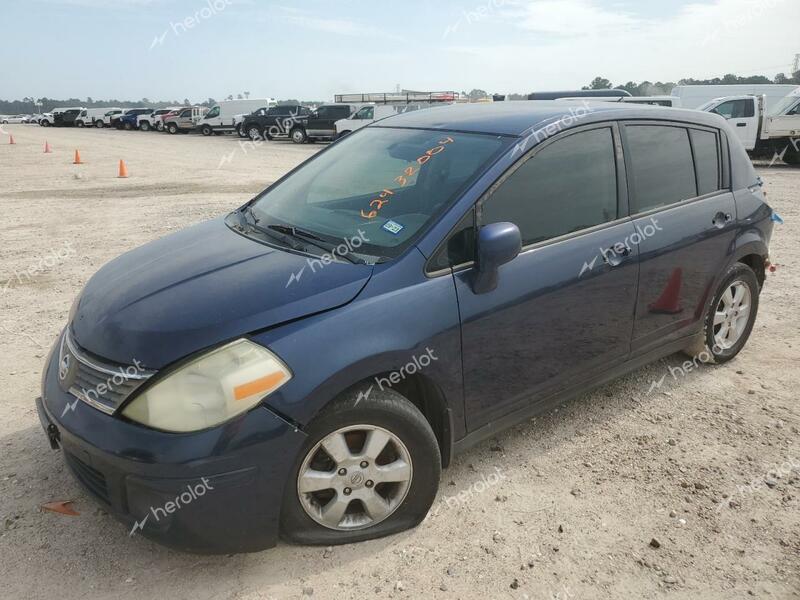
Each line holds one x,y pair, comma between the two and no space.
393,227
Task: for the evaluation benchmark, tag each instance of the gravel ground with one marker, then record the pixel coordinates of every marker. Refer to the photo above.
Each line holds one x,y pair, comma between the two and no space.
705,466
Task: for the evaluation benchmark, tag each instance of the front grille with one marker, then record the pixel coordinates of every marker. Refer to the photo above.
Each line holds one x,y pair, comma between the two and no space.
98,383
92,479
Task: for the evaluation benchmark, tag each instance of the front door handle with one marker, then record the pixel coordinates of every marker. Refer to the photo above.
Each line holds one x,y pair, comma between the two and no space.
741,124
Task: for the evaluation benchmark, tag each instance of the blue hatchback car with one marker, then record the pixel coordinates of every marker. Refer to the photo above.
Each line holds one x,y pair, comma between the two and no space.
305,366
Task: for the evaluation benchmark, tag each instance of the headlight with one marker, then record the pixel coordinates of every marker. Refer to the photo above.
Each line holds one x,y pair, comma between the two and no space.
211,389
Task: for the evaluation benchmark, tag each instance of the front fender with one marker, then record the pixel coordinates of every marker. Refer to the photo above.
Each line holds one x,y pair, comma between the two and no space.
400,317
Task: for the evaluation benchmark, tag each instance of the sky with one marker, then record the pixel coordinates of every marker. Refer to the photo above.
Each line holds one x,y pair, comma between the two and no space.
312,49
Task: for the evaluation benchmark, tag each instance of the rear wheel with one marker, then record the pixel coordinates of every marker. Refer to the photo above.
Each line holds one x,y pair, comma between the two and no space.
730,317
298,135
369,468
99,123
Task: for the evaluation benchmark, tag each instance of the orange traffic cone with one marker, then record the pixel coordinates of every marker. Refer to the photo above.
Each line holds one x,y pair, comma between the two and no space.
669,303
123,170
77,160
11,139
47,148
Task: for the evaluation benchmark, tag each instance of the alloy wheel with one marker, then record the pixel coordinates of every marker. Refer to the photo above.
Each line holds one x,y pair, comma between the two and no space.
732,315
354,478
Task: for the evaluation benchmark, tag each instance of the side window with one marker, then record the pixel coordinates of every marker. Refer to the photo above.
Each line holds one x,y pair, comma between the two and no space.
706,158
214,112
459,247
662,169
322,112
567,186
736,109
795,110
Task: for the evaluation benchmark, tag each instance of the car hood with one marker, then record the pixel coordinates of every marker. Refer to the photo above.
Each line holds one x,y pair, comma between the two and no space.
199,287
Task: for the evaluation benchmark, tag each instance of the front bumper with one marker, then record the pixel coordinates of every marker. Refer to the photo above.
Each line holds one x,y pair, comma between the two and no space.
152,481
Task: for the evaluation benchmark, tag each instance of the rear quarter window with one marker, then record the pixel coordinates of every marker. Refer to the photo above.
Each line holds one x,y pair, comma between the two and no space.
705,145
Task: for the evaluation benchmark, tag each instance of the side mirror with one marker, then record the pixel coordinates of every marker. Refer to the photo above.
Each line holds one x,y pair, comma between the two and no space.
498,244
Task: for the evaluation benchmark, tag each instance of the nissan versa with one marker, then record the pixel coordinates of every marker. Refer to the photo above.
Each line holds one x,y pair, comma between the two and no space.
305,366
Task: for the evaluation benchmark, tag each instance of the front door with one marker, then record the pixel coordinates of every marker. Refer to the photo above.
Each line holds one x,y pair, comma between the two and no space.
741,116
563,309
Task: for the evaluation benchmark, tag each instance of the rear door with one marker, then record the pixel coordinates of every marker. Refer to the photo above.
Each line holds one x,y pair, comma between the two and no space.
741,116
685,214
563,309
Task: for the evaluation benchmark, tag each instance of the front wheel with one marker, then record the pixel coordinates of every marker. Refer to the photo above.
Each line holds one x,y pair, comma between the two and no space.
172,129
206,130
144,126
44,123
369,468
792,156
730,317
128,126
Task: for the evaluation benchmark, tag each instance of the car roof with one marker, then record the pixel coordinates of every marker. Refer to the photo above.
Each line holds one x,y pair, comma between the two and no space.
517,117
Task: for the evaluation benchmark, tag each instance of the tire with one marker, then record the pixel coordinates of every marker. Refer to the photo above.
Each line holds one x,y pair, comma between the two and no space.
160,126
172,129
99,124
206,130
708,347
792,156
44,123
240,131
343,134
79,123
298,135
254,133
128,126
387,414
145,126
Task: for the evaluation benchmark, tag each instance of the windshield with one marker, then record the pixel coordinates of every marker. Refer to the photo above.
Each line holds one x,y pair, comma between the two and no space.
784,105
384,185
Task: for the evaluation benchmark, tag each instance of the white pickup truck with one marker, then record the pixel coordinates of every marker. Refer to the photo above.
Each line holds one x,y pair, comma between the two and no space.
764,133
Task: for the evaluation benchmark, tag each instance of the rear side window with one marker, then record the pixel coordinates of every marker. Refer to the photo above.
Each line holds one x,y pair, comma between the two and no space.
661,165
706,157
567,186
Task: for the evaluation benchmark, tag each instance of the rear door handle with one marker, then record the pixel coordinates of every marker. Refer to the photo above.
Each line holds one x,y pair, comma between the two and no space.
616,255
721,219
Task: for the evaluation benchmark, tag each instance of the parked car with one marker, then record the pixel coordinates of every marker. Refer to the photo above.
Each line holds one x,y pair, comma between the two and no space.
62,117
13,119
110,117
244,349
763,133
274,122
153,120
129,120
89,117
44,119
221,117
695,96
369,114
321,123
183,120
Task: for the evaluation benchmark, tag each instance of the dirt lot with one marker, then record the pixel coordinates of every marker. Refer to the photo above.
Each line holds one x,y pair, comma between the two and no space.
565,506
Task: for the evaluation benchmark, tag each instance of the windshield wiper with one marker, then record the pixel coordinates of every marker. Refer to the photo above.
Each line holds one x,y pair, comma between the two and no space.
319,242
252,222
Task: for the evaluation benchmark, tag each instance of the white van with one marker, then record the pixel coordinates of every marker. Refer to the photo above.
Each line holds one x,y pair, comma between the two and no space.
369,114
222,116
89,116
695,96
